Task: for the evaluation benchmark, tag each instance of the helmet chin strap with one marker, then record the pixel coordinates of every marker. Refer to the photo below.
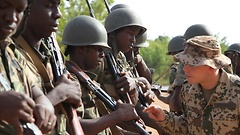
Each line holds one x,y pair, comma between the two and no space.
113,43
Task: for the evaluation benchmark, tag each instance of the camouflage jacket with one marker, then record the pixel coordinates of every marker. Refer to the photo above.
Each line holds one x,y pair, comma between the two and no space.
179,78
18,74
218,116
44,57
90,108
173,72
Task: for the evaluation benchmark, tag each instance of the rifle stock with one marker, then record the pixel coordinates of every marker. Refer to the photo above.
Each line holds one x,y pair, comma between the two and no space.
101,94
58,68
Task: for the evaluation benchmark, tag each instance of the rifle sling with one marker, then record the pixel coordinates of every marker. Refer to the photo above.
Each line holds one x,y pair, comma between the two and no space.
36,61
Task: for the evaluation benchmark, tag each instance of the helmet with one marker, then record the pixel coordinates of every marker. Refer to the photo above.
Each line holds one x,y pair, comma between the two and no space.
142,41
176,45
83,31
197,30
233,48
123,17
117,6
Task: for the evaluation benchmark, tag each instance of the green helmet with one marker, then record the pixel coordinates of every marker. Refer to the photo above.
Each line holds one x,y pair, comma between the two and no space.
123,17
233,48
117,6
142,41
84,31
175,45
197,30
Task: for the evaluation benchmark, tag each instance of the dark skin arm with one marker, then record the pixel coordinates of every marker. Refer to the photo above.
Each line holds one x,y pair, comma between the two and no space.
66,90
142,68
108,120
43,111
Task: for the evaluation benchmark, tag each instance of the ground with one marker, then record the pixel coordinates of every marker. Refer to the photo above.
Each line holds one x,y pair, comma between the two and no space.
164,106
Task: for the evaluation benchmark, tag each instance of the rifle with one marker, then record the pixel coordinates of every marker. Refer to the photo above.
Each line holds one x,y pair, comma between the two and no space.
91,12
58,68
116,73
30,129
101,94
107,7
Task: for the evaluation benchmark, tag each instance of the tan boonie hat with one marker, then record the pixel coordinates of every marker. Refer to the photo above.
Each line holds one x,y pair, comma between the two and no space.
203,50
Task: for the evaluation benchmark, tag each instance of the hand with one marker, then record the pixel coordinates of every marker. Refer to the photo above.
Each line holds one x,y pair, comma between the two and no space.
126,112
138,59
125,84
143,82
15,107
155,113
45,119
69,90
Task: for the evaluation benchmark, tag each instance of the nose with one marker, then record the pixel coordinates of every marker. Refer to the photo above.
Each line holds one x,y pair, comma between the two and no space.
11,16
101,53
186,68
57,13
134,39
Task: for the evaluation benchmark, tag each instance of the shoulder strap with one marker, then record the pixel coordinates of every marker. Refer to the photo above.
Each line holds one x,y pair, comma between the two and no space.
36,61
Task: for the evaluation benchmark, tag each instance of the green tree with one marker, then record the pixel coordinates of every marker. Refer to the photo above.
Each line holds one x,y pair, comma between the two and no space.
156,58
73,8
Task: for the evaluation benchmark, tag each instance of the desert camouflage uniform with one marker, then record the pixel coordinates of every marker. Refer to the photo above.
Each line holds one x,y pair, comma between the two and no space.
19,72
219,116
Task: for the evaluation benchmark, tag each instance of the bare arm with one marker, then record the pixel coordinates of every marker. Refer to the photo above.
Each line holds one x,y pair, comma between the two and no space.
108,120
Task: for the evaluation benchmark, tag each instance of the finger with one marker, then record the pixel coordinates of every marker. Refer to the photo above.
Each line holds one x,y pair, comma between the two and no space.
29,101
50,123
26,117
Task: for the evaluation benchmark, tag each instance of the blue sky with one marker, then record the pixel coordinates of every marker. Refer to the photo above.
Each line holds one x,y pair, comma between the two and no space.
173,17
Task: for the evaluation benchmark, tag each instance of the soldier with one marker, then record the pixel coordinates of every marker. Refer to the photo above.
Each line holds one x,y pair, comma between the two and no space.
233,52
209,98
86,38
175,46
201,30
41,23
21,99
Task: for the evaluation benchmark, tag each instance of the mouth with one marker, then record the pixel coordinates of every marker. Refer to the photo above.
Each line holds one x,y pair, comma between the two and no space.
54,27
7,29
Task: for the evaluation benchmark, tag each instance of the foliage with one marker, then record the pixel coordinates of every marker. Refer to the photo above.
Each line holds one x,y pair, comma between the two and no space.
156,58
73,8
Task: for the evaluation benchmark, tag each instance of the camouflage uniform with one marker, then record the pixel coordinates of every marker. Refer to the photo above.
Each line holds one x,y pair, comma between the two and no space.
19,74
45,55
90,108
172,75
218,116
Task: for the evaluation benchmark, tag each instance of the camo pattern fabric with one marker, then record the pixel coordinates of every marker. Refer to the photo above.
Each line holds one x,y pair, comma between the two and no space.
203,50
172,75
218,116
61,118
22,76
